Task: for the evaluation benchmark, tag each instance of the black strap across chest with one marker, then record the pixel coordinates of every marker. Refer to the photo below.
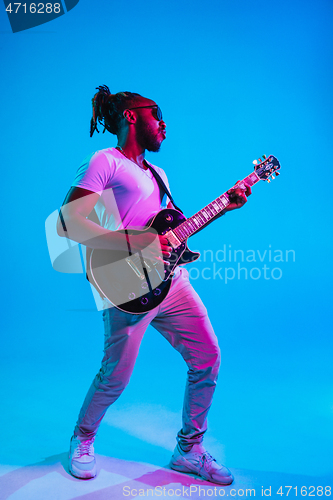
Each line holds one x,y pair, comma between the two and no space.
161,183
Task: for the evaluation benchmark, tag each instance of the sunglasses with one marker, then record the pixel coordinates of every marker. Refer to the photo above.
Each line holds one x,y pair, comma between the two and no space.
157,112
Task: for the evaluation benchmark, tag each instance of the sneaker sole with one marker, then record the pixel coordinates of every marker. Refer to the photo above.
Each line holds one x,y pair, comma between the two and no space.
181,467
83,474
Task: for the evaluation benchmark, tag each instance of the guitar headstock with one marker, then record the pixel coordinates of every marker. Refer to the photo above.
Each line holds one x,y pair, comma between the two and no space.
266,167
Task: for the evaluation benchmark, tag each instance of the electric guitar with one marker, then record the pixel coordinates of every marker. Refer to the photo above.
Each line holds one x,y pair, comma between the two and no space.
136,284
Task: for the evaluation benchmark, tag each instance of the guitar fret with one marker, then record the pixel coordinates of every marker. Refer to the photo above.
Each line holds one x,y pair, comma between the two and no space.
207,213
224,200
186,229
251,179
200,218
219,204
216,206
192,224
197,220
212,209
179,233
204,214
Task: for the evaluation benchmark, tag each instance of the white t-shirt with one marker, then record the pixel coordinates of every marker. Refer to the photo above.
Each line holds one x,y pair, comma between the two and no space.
129,195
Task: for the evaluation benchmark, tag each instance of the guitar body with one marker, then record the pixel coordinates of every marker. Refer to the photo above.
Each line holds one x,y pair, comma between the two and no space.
133,283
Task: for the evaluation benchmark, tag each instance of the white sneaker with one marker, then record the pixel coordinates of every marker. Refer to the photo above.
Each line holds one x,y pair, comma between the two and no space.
82,463
200,462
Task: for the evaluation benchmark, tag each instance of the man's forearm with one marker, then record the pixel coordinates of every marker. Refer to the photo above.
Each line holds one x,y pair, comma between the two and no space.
85,231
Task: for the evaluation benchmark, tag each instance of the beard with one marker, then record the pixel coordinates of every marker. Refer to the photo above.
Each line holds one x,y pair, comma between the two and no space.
147,137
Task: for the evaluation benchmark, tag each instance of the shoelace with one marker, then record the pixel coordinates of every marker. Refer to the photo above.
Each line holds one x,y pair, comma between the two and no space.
205,460
84,448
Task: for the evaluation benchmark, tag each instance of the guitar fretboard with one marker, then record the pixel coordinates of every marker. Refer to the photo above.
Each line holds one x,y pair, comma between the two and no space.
210,211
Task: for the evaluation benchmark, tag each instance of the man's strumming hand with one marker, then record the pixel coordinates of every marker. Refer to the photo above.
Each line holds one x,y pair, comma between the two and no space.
152,245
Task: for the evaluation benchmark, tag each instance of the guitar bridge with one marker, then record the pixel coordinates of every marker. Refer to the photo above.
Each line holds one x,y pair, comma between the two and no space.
135,268
147,266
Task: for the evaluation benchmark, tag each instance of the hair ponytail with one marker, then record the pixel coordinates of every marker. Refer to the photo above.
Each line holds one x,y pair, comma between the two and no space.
108,108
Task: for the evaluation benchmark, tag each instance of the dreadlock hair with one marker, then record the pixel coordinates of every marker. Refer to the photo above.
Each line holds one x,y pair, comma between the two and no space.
108,109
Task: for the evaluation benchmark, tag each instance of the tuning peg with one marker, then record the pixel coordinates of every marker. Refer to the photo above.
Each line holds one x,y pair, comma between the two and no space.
259,160
272,177
264,157
268,180
277,173
255,162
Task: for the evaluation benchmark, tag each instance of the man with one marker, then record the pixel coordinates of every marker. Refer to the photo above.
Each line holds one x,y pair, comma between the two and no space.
119,184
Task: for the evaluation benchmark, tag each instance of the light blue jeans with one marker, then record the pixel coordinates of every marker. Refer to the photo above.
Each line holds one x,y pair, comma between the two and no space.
182,319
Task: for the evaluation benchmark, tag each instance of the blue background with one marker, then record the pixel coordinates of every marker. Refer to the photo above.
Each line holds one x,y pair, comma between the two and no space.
235,79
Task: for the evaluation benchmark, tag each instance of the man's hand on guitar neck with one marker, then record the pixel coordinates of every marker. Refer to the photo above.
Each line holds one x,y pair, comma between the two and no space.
237,197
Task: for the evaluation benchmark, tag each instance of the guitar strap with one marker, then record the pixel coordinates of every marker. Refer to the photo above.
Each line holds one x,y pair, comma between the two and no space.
161,183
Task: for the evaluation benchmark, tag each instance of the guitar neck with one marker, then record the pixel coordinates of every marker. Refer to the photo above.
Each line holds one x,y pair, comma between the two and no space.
209,212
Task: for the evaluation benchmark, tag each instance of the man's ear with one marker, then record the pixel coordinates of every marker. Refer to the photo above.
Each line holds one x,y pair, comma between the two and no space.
129,116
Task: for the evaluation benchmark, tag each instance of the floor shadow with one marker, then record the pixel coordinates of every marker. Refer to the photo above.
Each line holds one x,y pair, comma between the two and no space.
119,479
132,473
18,478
